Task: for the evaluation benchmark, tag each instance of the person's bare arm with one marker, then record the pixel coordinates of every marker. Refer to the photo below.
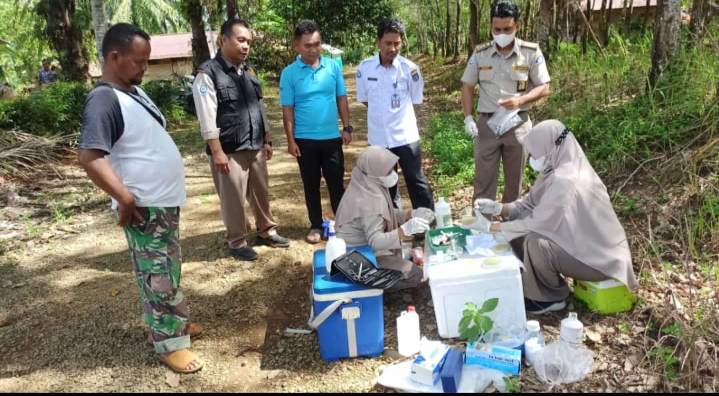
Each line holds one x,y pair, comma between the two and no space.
344,109
288,121
99,171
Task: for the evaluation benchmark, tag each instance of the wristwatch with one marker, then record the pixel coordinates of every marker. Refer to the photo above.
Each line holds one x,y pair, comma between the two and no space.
269,143
347,129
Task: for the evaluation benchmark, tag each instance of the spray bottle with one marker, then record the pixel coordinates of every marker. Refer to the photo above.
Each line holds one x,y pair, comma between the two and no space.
335,246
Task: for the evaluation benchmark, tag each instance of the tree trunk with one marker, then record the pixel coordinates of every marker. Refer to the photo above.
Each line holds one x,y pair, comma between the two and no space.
646,15
603,23
447,27
473,27
585,38
543,23
697,30
457,32
666,38
528,24
99,24
231,9
65,37
630,13
200,50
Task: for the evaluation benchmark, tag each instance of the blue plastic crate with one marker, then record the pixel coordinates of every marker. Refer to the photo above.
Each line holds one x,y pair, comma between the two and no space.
351,316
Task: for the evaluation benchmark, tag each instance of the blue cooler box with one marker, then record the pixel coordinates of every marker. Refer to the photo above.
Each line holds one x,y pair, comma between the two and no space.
349,318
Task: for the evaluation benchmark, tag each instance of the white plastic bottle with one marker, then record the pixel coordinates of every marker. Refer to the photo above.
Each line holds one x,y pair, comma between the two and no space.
572,331
443,212
408,336
534,344
335,246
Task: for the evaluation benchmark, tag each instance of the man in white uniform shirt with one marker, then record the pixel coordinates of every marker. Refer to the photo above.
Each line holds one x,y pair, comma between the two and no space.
390,85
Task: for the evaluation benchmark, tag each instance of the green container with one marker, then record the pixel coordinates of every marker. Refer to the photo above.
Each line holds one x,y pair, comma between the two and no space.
605,297
461,239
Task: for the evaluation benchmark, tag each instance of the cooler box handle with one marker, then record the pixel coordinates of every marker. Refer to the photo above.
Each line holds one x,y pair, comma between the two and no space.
315,322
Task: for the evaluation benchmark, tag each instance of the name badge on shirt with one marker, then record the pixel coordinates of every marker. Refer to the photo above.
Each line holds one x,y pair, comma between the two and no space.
371,78
395,101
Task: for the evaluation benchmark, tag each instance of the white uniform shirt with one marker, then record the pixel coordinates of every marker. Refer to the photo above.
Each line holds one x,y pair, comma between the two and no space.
390,93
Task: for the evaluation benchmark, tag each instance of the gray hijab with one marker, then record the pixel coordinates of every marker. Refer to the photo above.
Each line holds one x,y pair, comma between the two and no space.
570,205
365,195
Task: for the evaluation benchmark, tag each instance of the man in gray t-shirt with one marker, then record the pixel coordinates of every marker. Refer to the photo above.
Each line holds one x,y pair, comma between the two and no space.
126,151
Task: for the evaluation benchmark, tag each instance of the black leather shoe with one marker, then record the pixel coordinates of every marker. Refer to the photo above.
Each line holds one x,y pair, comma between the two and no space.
244,253
273,241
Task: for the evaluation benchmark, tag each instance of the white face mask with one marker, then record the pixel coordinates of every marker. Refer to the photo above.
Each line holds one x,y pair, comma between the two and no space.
390,180
503,40
538,164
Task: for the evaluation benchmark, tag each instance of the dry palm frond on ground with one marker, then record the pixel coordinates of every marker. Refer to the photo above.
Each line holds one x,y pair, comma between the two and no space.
21,154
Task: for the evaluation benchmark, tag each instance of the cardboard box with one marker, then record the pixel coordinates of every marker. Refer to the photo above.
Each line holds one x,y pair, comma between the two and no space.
427,366
504,360
451,373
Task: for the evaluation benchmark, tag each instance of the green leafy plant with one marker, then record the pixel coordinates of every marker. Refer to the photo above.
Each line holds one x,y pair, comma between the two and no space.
512,385
474,323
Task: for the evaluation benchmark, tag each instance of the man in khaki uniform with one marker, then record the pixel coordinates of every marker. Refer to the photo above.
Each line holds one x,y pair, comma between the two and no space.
513,74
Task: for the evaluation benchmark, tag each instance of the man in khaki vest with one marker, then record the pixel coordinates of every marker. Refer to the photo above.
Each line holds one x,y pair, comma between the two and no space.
511,73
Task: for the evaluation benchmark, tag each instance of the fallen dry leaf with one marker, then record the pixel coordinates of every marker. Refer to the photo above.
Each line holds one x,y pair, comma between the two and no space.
17,285
594,336
172,379
113,292
224,291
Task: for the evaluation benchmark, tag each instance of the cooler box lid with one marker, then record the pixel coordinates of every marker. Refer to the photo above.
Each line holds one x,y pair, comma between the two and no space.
340,284
468,269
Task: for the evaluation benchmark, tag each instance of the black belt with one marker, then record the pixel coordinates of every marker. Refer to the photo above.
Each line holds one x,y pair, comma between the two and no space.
491,114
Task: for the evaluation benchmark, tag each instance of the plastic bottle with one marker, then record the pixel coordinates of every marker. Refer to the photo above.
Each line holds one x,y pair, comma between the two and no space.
572,331
443,212
408,337
335,246
534,344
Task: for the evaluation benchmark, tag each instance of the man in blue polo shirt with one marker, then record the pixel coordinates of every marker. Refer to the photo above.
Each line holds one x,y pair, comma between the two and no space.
312,93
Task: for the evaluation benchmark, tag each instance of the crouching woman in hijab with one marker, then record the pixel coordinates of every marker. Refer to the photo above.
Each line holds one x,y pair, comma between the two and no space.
366,215
565,225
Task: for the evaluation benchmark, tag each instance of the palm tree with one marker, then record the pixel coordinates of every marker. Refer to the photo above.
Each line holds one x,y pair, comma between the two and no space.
153,16
99,23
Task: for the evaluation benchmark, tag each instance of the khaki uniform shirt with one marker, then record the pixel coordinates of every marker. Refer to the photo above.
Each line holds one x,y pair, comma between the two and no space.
503,77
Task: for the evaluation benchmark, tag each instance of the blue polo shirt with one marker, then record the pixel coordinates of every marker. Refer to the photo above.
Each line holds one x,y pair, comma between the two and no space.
313,93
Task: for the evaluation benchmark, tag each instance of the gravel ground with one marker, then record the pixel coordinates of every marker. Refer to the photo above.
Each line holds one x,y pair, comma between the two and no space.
70,308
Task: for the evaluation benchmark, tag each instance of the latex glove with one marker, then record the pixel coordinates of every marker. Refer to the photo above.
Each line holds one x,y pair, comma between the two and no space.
470,126
415,225
487,206
482,225
424,213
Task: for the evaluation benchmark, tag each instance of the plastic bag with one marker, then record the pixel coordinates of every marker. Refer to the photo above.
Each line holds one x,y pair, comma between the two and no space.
476,379
503,120
559,363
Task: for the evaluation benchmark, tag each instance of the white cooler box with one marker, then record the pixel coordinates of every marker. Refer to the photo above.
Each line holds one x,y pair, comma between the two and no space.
455,283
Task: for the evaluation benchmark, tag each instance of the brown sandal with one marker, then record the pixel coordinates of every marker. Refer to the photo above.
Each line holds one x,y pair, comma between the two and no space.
178,361
195,331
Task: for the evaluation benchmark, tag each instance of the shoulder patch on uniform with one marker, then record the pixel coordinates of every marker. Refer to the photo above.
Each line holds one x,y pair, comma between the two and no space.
203,89
529,45
415,75
540,59
471,60
359,74
483,46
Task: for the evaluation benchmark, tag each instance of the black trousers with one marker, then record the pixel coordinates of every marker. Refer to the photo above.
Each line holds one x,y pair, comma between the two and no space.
321,158
420,193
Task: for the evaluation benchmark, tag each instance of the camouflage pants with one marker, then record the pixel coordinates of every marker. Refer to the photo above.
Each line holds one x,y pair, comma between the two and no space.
156,255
